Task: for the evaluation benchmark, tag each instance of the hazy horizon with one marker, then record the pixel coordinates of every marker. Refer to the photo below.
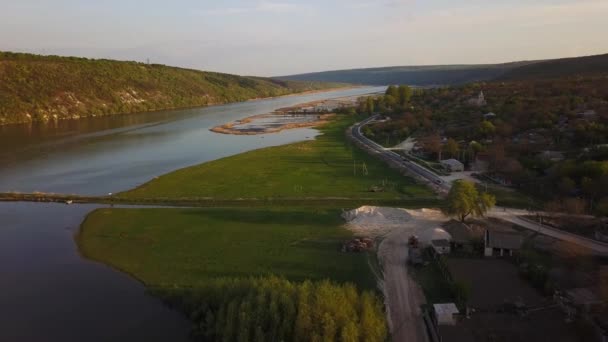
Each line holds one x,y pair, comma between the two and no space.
272,38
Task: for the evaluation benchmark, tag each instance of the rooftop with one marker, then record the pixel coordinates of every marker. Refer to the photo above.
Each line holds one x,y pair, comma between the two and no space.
446,309
451,162
504,239
459,231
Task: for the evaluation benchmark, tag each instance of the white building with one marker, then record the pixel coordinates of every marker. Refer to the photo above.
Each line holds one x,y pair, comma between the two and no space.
480,101
445,313
452,165
502,243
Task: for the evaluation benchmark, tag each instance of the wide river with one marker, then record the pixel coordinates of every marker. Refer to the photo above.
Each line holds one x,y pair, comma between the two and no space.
48,292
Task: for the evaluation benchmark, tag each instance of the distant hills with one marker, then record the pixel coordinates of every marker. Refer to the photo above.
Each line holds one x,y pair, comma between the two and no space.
42,88
460,74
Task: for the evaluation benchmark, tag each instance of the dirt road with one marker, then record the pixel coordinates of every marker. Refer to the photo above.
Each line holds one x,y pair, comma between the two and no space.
403,295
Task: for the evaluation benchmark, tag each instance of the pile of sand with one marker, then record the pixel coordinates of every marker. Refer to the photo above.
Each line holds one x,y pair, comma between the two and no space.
378,221
375,221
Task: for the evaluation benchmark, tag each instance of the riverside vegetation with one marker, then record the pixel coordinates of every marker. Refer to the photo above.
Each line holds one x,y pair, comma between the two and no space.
220,265
245,274
41,88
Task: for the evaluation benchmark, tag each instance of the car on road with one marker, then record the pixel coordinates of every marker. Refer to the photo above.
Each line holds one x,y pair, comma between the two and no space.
438,181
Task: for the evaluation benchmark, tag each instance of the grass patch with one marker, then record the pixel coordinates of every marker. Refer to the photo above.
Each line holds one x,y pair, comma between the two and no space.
329,166
187,247
510,197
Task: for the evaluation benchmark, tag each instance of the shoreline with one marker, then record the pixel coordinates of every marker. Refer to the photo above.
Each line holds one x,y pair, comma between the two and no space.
324,110
4,124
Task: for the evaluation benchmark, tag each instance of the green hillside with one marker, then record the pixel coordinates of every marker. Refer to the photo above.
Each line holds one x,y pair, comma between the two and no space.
413,75
462,74
40,88
564,67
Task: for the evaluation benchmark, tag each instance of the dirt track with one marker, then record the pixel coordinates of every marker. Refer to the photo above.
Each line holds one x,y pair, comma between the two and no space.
402,294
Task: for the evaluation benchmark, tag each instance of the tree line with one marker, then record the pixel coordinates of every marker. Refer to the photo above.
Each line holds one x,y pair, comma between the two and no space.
275,309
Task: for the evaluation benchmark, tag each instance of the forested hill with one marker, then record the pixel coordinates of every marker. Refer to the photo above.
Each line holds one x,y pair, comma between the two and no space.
461,74
578,66
40,88
413,75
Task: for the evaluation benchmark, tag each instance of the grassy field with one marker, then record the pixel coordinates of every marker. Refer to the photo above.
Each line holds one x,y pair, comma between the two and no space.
326,167
510,197
187,247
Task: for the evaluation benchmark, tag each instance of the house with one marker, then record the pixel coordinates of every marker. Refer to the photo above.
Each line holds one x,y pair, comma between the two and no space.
462,235
501,242
553,156
482,162
445,314
452,165
441,246
489,116
479,101
587,114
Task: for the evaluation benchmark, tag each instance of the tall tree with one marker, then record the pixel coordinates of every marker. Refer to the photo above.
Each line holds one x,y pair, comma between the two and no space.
405,94
464,200
370,105
452,148
432,144
392,91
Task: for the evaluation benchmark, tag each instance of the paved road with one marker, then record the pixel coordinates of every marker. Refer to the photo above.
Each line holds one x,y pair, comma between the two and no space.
395,157
515,216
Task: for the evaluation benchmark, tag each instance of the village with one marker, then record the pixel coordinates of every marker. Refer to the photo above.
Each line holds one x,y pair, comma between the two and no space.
488,278
513,274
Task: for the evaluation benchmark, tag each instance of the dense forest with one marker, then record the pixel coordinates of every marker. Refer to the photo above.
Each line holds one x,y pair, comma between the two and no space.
42,88
275,309
546,137
462,74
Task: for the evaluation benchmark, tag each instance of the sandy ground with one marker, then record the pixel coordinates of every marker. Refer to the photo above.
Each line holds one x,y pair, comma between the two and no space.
403,295
304,110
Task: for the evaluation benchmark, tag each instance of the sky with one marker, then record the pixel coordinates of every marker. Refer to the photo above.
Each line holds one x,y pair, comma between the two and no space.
280,37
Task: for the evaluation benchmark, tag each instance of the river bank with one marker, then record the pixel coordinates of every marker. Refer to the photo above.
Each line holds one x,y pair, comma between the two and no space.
304,115
46,283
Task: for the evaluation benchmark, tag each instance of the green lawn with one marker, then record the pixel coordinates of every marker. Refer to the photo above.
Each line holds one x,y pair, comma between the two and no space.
511,198
326,167
187,247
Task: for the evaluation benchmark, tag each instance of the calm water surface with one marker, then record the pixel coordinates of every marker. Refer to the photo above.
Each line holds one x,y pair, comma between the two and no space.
48,292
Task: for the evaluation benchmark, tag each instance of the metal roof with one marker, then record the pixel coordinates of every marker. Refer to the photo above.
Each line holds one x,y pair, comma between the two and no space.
503,239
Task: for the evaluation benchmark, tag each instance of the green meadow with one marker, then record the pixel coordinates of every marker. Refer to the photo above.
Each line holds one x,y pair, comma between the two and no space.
329,166
187,247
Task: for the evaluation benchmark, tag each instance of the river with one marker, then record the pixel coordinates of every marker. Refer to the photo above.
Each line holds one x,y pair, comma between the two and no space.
48,292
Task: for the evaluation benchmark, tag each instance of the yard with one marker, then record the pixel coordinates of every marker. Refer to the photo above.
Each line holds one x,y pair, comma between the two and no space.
495,282
492,282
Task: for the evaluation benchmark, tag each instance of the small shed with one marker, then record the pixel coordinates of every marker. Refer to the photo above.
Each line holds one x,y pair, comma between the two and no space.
445,313
502,242
441,246
453,165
